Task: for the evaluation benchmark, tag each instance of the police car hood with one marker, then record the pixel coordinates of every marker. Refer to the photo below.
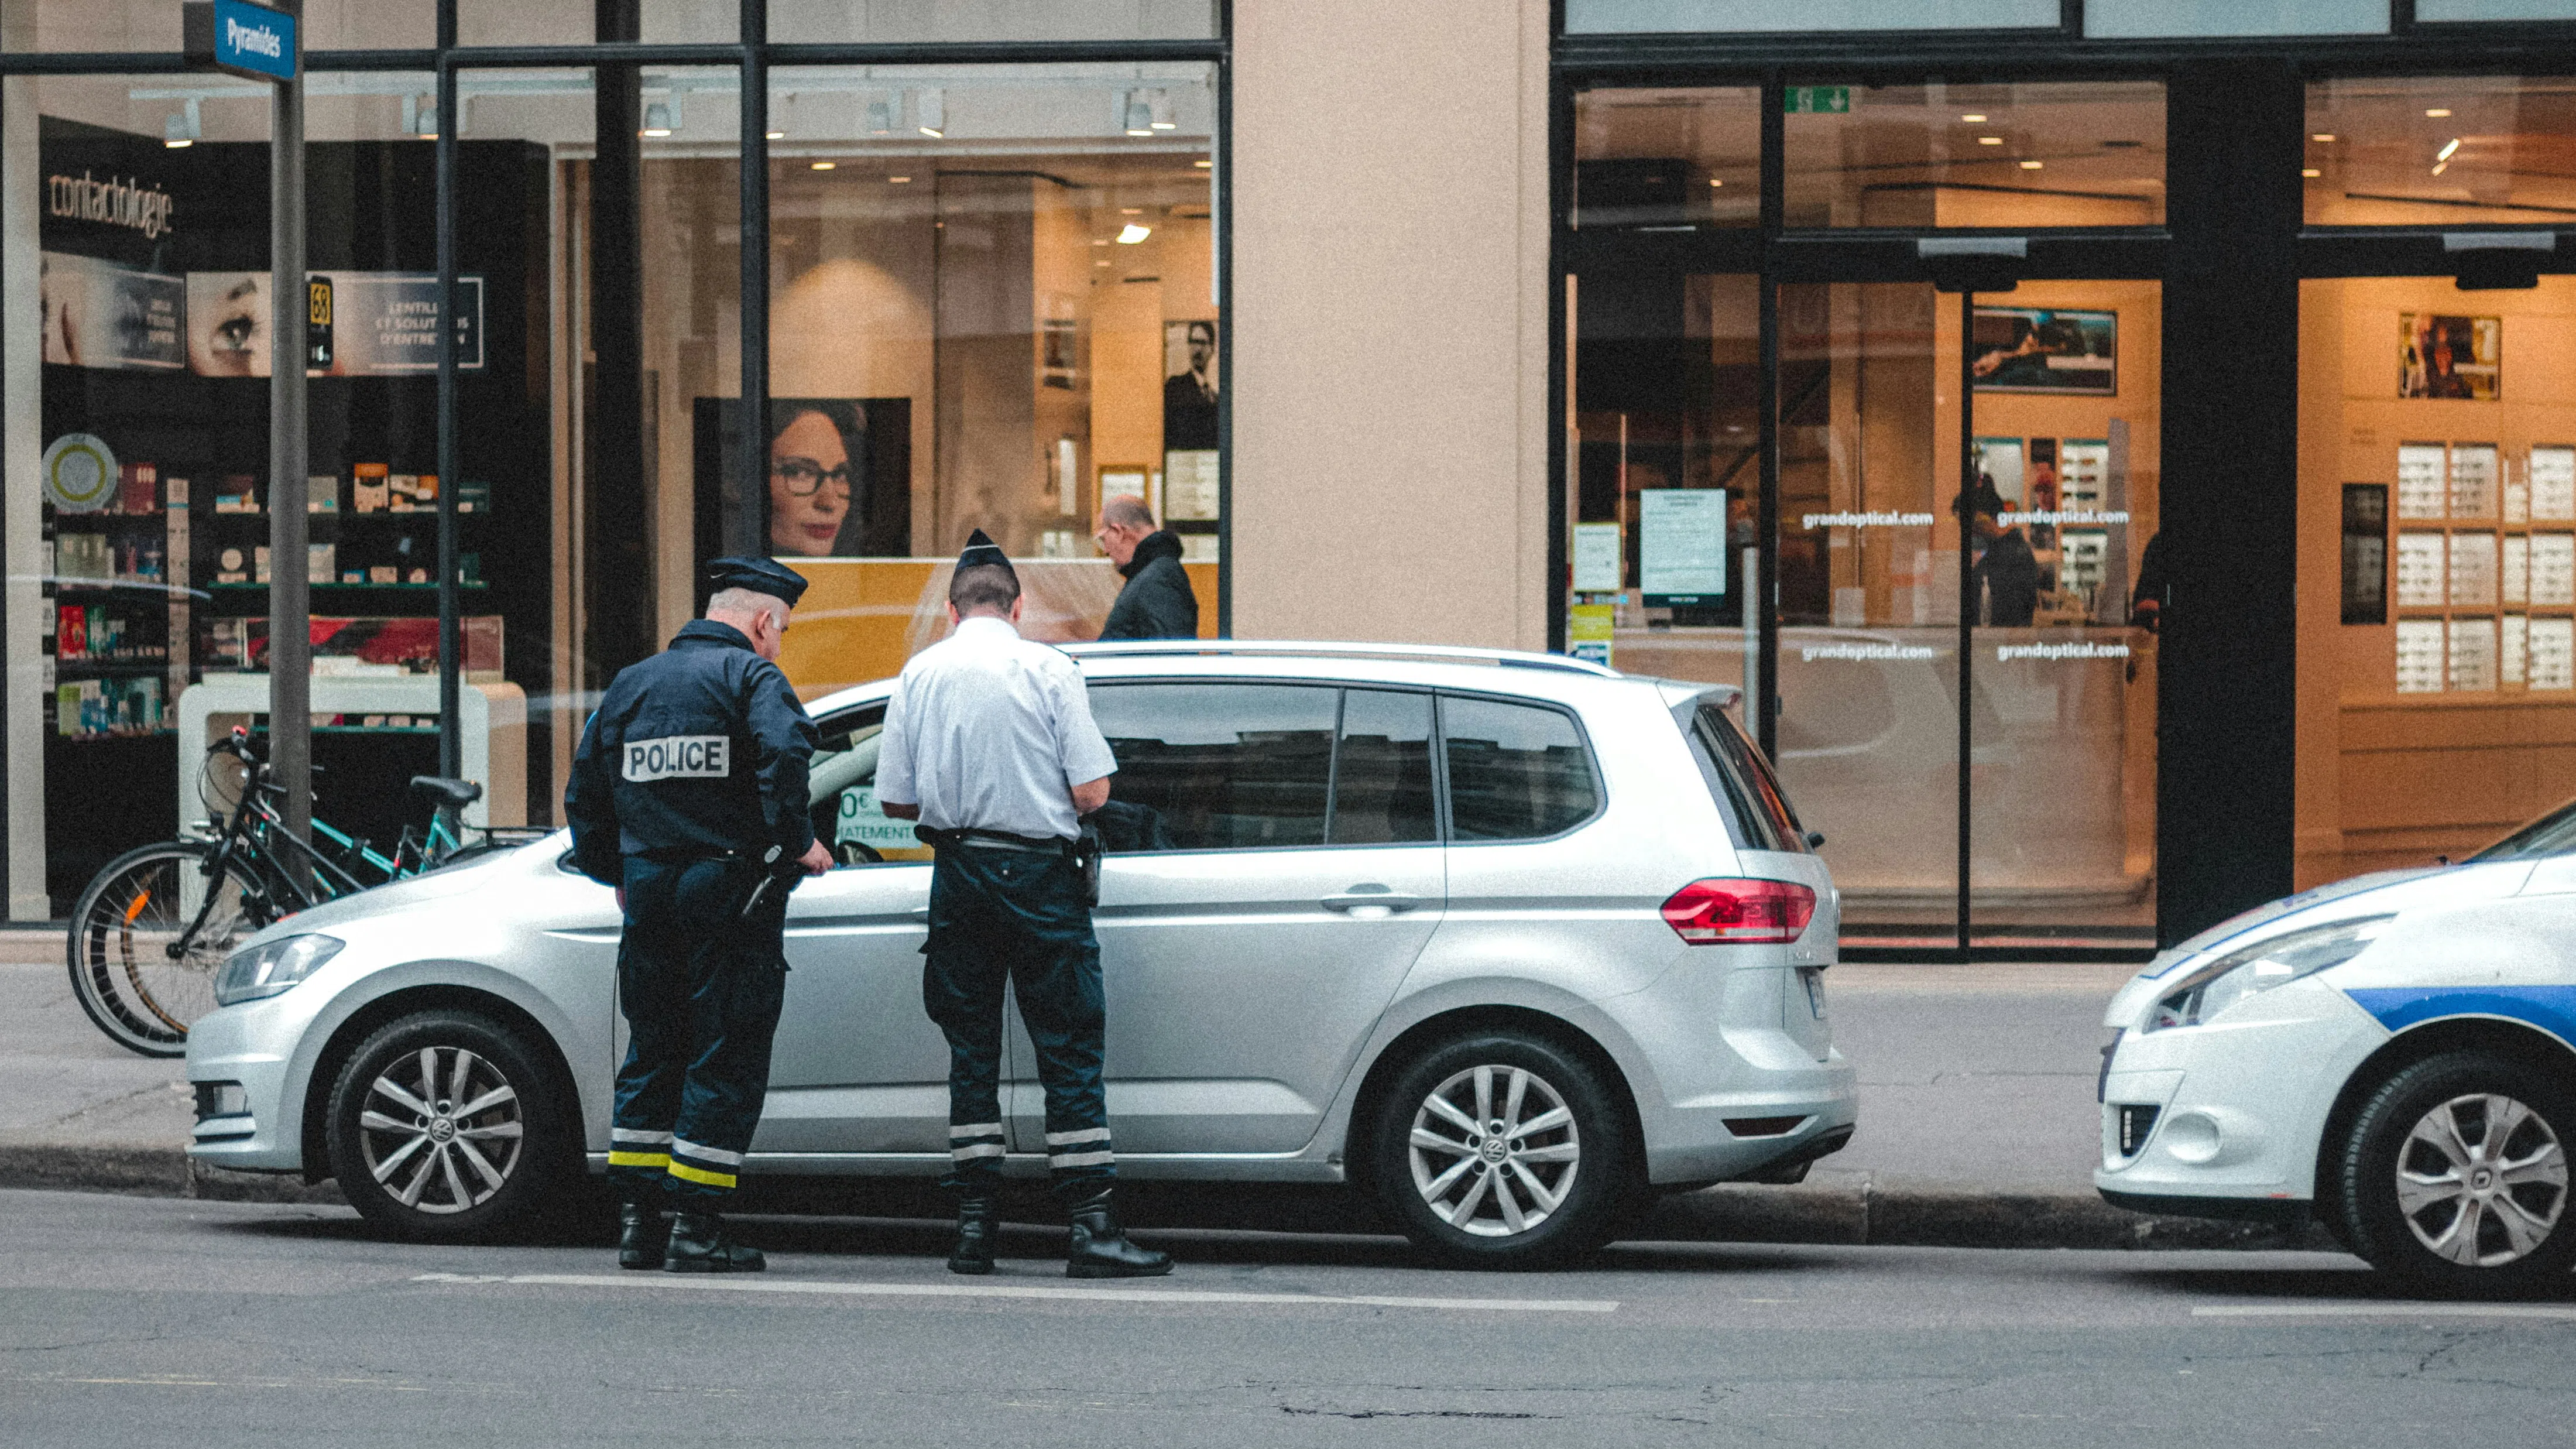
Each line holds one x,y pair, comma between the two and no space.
436,885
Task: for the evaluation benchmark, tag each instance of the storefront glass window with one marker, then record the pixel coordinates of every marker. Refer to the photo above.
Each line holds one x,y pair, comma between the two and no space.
1667,158
2028,154
999,326
662,22
2434,151
2437,568
145,25
879,21
1633,16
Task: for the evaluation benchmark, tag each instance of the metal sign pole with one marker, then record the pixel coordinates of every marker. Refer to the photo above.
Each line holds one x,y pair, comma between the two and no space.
290,639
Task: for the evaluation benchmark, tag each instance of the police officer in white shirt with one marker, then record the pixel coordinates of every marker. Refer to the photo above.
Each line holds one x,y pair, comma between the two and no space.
989,744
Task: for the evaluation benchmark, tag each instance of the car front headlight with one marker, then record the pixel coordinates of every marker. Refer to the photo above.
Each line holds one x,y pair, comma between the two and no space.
268,969
2279,961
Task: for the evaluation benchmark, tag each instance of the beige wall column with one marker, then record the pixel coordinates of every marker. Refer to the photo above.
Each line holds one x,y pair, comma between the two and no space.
1390,198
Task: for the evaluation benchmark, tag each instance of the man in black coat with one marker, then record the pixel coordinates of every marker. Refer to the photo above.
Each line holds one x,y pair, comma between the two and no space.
1157,602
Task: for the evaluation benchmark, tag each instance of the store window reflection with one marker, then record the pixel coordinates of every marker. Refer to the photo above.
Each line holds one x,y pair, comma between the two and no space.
2437,568
1938,154
1667,158
996,326
2433,151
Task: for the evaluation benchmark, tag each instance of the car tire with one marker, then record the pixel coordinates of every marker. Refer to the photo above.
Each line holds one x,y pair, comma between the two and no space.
1553,1182
482,1152
2448,1215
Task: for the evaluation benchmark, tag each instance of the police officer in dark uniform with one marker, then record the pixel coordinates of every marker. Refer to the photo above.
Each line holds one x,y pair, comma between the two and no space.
990,744
688,795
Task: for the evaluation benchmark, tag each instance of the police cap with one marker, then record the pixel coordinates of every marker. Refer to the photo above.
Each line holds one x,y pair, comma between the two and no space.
760,575
981,551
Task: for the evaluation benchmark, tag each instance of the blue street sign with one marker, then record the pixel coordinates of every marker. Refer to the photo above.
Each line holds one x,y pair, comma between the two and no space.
255,40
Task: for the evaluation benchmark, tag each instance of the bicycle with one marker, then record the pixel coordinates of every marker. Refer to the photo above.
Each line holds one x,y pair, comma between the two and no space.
154,926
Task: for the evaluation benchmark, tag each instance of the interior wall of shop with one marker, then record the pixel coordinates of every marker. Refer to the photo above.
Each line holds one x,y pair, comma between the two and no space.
1390,195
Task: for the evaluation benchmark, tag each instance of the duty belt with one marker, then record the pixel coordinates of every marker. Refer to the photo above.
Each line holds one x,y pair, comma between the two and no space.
995,840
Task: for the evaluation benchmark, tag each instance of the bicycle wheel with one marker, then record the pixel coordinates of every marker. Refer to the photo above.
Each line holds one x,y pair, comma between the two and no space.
128,968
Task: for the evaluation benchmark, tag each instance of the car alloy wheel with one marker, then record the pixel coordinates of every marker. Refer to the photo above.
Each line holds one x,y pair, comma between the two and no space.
2482,1180
1494,1151
442,1131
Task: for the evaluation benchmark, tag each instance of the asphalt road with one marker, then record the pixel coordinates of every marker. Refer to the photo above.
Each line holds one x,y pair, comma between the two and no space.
137,1321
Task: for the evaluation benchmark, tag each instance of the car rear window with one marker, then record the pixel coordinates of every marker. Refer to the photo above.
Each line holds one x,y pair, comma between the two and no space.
1516,771
1741,782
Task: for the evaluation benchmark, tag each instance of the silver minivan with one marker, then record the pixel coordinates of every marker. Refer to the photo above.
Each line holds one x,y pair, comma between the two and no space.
1508,941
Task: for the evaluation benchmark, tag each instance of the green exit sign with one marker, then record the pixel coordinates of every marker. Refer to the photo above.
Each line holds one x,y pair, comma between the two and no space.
1816,100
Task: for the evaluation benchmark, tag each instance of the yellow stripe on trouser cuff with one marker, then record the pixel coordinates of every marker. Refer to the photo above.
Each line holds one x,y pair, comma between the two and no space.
686,1173
638,1159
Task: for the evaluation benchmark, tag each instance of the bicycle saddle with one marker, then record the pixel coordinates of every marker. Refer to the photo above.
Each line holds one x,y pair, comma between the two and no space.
440,790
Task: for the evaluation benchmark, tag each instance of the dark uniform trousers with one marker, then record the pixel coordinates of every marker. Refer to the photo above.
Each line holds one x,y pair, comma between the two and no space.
701,989
1020,917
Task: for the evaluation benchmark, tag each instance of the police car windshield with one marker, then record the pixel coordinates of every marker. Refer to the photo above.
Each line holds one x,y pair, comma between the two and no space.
2551,834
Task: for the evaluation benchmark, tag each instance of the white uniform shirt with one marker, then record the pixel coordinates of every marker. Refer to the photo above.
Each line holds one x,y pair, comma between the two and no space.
987,731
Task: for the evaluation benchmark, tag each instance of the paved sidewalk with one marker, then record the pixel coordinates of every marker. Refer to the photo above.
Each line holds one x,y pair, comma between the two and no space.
1977,1124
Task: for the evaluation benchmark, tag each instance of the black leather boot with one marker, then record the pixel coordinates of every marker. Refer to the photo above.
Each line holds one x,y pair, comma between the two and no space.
700,1244
978,1221
1100,1248
641,1232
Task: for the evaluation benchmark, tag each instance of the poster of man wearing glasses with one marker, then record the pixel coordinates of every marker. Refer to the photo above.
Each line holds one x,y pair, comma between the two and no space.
839,483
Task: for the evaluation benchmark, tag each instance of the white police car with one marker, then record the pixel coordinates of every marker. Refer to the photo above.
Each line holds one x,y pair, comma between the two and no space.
2394,1055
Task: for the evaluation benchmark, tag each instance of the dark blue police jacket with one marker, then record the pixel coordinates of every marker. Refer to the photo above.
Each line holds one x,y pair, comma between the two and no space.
700,749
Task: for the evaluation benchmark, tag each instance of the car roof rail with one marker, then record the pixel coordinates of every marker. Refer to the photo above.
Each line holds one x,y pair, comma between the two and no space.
1450,653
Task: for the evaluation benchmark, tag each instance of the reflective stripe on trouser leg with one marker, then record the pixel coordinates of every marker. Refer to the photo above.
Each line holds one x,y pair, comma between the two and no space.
1086,1147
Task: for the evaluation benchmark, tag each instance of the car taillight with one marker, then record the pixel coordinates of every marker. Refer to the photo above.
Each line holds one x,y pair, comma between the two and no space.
1740,912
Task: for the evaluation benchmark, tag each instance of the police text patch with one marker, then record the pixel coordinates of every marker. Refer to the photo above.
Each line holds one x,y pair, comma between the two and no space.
679,757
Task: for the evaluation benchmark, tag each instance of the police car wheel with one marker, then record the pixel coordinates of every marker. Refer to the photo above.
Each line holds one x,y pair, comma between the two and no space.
1503,1151
443,1127
2455,1177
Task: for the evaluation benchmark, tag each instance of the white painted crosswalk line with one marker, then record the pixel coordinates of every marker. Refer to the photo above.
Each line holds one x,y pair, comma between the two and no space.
728,1284
2565,1311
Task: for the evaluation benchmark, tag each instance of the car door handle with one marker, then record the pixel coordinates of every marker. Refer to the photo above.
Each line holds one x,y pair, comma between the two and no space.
1361,898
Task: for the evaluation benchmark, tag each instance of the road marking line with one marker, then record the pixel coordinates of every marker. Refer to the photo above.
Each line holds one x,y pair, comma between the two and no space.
2386,1310
1011,1290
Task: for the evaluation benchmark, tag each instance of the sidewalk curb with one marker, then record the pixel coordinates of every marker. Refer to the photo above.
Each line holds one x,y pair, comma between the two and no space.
1729,1213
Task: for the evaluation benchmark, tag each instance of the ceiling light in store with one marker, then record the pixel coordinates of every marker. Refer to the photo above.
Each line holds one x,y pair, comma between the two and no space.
2032,165
1990,140
1131,211
1159,110
898,180
2440,167
1972,119
182,129
2446,152
1204,165
782,111
930,112
2438,113
1133,233
1135,113
1100,264
2323,138
881,114
1714,181
827,165
423,118
657,120
2311,172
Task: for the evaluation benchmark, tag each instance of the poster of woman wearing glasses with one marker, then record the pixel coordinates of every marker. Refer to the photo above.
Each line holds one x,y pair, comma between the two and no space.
839,483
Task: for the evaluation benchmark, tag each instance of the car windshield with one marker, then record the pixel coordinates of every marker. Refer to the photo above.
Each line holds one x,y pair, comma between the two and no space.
2551,834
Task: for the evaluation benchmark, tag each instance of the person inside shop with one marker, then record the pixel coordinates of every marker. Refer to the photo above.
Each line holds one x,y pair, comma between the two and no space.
1156,602
2007,573
688,797
2147,600
989,744
812,476
1189,398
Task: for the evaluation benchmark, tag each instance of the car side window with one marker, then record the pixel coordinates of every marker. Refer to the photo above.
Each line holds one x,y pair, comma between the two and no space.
1765,808
1516,771
1216,766
841,786
1382,790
